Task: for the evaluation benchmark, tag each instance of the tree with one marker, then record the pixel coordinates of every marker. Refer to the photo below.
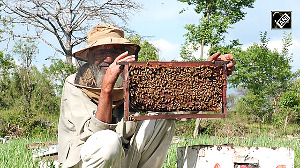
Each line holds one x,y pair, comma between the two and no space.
235,47
289,103
27,97
44,103
58,72
254,106
27,51
265,73
6,67
263,70
218,16
67,21
148,51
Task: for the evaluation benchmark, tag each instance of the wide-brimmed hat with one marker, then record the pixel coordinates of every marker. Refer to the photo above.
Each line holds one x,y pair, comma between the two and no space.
102,35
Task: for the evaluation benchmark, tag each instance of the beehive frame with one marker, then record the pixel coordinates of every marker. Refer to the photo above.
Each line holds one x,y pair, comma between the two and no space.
171,113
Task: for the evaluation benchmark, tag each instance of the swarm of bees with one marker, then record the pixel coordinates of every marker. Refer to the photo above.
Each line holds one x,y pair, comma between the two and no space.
167,88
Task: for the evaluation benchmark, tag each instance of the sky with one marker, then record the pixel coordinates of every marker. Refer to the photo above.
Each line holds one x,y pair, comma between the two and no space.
161,21
162,25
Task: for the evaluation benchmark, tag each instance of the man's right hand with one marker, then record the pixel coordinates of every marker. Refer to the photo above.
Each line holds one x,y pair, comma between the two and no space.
114,71
104,109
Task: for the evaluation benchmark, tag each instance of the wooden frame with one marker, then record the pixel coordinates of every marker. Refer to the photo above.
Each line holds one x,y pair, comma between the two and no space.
172,115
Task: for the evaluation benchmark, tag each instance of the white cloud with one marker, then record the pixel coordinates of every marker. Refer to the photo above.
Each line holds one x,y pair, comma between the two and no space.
167,51
277,44
296,44
295,49
197,53
17,62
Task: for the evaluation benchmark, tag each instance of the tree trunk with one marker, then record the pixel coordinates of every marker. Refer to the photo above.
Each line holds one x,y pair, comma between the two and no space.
286,122
196,130
69,59
197,126
69,54
198,120
202,49
207,17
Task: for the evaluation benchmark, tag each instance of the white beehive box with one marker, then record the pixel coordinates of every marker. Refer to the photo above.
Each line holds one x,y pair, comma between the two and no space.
229,156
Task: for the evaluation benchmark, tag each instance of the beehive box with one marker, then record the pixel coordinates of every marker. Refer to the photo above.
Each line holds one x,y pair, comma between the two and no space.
169,90
223,156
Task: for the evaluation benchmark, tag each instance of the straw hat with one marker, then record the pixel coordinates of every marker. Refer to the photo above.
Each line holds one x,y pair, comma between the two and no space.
102,35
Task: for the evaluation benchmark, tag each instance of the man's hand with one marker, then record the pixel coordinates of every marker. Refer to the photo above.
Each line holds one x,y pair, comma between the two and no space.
124,57
226,57
114,71
104,109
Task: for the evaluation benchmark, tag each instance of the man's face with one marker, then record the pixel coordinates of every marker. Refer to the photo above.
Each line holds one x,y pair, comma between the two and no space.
101,57
105,55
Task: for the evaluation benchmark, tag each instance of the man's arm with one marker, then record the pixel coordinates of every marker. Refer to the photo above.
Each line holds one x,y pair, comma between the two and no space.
104,109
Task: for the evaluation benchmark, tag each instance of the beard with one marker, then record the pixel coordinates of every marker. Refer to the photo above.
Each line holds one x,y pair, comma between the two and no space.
99,74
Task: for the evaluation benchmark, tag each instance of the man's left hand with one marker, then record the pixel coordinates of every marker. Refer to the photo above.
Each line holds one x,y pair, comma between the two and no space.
226,57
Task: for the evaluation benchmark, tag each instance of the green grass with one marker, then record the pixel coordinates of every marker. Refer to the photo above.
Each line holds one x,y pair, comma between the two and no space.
261,141
14,153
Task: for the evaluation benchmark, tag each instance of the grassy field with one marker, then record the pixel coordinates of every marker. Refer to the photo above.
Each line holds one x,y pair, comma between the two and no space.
14,154
235,129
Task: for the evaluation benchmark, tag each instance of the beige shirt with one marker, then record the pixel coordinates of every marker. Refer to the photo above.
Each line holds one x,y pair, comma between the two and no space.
77,123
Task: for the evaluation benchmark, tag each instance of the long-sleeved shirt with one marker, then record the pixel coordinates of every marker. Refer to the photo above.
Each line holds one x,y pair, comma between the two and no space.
77,123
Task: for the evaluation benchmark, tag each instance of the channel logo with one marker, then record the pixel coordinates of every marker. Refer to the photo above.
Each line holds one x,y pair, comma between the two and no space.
281,19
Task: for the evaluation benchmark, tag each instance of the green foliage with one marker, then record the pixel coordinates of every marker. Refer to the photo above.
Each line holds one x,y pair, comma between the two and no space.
27,50
227,8
1,28
186,54
234,48
289,103
41,115
6,63
45,91
267,75
148,51
257,107
57,72
210,30
261,70
28,99
217,17
6,84
290,99
15,153
185,128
